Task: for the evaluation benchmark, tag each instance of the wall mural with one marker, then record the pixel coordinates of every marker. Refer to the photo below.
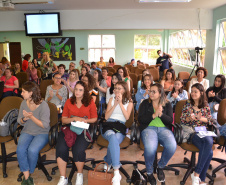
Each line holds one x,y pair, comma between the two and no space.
59,48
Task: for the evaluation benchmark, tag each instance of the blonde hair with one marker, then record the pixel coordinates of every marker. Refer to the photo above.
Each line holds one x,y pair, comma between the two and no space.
48,58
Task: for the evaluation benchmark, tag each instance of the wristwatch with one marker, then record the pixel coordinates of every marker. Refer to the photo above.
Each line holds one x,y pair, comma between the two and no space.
23,119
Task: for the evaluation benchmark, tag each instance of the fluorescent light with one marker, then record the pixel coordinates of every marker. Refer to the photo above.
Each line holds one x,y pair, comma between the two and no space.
164,1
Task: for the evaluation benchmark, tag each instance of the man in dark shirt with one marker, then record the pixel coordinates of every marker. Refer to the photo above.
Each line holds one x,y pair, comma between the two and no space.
163,62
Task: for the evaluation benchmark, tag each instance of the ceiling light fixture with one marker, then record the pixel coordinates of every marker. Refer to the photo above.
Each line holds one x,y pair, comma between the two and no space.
164,1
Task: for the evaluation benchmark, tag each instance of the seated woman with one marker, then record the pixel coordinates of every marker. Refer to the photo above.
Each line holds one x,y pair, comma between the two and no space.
118,111
89,80
80,107
34,115
101,85
155,117
111,62
216,93
32,73
81,63
56,93
35,62
144,72
144,91
17,69
71,81
64,75
11,83
168,80
125,75
47,66
5,62
106,77
178,93
201,73
196,113
84,71
110,90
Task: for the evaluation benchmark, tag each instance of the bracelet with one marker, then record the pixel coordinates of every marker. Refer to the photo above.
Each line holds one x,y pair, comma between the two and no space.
23,119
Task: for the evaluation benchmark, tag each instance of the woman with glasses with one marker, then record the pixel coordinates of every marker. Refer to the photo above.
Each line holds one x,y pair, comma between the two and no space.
118,111
155,117
56,93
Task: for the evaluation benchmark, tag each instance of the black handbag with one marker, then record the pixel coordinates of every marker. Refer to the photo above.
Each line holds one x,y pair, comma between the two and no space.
138,178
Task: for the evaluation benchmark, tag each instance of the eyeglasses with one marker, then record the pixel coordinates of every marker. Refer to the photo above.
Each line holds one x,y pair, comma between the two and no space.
153,92
57,78
71,66
118,89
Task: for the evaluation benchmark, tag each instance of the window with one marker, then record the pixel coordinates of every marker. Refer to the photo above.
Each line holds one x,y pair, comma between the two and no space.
101,45
221,50
182,47
145,48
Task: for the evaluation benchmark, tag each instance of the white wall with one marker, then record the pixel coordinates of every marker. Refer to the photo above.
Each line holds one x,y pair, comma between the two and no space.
118,19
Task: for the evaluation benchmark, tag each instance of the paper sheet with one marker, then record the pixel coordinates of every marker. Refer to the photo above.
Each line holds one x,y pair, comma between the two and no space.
80,124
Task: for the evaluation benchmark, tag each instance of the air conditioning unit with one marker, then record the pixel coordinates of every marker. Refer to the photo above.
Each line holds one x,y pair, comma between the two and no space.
6,6
32,1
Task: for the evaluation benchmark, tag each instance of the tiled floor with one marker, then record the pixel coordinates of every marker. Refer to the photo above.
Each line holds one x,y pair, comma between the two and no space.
132,153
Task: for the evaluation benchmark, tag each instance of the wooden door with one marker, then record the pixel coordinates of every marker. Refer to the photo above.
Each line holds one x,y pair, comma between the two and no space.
15,53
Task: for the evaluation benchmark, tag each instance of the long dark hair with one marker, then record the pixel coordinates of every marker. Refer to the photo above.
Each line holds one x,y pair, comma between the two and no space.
144,75
202,99
173,74
150,77
100,77
162,99
86,96
113,61
118,76
126,96
222,77
91,81
125,73
181,89
36,94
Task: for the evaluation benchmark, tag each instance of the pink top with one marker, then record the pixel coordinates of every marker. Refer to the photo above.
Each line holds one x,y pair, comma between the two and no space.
111,64
167,86
108,81
32,74
9,82
72,84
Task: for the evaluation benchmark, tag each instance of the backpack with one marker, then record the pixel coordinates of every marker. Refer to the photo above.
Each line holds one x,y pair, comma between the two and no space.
9,123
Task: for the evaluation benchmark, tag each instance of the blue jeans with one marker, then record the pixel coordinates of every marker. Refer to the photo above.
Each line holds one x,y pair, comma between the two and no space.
113,151
151,137
213,113
205,154
28,150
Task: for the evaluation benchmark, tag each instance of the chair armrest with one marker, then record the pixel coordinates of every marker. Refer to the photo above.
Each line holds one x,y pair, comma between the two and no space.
133,133
179,133
17,134
52,135
137,134
13,128
215,129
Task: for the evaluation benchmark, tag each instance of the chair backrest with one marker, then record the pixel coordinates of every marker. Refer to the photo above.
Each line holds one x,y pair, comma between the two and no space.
133,69
221,116
112,70
147,65
9,103
183,75
187,85
116,67
22,78
110,73
43,86
134,77
39,73
1,88
178,110
140,77
131,85
141,67
129,67
155,73
139,71
130,121
53,114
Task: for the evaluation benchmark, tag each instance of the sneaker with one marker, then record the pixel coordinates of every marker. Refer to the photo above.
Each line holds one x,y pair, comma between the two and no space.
105,167
116,179
62,181
151,179
195,179
160,175
79,179
30,181
24,182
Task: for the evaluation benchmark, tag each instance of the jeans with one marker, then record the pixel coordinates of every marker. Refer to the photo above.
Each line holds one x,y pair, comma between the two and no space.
151,137
213,113
113,151
28,150
205,154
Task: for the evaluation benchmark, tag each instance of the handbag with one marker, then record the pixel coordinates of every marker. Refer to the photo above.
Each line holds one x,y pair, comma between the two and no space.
98,177
138,178
187,132
76,130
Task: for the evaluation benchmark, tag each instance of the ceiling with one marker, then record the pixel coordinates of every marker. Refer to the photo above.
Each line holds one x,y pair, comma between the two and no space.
118,4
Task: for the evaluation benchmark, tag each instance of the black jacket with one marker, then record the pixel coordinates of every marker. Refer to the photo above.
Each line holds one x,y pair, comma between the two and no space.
218,97
146,111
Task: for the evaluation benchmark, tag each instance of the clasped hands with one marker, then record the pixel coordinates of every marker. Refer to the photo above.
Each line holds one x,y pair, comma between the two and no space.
27,115
158,112
211,94
192,117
